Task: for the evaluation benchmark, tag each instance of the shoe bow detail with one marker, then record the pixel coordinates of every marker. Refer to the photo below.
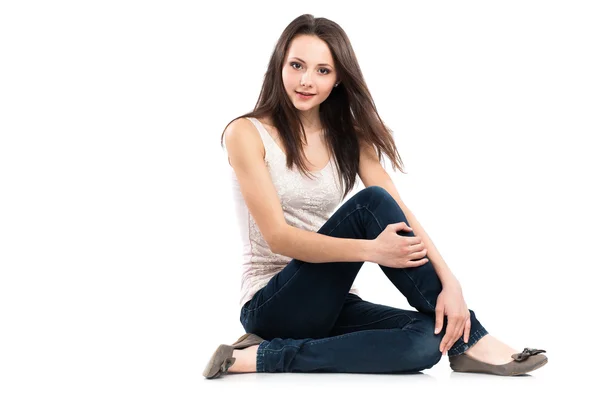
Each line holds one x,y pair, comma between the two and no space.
526,353
226,364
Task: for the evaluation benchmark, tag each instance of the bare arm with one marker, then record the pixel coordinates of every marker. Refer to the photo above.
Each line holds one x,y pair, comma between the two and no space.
372,173
318,248
246,156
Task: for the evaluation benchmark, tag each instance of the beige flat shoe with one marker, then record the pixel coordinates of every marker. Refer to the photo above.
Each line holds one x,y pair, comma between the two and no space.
223,358
524,362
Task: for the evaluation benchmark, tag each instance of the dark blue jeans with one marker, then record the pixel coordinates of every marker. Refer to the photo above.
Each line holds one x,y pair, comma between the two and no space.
311,323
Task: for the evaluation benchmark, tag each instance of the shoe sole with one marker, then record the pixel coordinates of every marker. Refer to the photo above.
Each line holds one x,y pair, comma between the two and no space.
533,369
536,366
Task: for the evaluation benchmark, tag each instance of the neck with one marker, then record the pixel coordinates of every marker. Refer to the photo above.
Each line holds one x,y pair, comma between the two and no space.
311,120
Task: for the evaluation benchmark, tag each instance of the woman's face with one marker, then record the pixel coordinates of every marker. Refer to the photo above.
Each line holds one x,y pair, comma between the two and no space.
308,68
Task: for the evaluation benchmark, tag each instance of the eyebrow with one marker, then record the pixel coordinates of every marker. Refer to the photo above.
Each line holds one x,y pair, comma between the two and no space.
301,60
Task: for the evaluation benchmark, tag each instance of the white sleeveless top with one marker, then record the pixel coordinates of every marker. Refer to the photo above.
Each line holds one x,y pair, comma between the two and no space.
307,204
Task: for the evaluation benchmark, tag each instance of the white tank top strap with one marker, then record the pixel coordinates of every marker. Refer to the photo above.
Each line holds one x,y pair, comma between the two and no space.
268,141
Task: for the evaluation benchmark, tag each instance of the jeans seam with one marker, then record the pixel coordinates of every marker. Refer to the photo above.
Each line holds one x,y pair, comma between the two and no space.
260,357
358,207
303,262
274,294
327,339
379,320
282,347
408,276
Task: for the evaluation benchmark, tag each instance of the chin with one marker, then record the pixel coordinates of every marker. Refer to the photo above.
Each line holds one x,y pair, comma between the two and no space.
303,107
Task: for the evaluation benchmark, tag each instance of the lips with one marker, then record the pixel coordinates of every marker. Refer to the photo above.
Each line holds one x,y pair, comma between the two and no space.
306,94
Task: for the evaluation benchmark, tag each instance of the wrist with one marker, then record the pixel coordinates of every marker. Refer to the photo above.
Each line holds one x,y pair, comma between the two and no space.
450,282
367,249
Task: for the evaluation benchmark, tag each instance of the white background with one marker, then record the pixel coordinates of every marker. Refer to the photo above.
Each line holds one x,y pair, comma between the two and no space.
119,249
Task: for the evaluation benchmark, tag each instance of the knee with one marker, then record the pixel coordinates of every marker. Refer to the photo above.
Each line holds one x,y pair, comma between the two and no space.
427,352
375,191
375,195
380,200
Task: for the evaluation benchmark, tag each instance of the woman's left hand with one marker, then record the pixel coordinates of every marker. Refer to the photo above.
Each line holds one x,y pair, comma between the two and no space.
450,302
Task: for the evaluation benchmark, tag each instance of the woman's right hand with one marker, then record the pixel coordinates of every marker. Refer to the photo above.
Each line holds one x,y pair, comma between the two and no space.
393,250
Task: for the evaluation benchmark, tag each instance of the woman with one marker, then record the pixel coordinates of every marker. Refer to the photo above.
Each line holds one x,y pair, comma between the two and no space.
294,159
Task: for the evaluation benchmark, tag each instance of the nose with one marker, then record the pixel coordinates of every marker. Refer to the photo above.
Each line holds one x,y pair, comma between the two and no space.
306,81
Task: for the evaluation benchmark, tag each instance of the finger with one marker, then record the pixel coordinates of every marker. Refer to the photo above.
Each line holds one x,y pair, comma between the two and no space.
460,326
412,264
449,332
464,332
401,226
459,330
417,255
416,246
439,319
412,240
445,341
455,334
467,329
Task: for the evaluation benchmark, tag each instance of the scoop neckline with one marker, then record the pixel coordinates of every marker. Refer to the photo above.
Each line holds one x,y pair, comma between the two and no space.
283,152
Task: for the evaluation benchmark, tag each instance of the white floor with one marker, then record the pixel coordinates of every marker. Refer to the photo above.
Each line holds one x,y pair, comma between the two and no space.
120,253
439,382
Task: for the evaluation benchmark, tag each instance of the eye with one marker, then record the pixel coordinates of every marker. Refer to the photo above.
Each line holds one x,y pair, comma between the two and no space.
327,71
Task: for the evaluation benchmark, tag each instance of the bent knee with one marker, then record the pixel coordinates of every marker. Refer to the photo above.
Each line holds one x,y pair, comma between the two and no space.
426,353
375,194
429,357
375,191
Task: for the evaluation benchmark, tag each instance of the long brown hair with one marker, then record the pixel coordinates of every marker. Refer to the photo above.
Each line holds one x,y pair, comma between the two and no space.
347,115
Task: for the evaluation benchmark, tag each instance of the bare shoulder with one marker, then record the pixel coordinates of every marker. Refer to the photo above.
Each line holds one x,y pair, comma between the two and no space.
239,125
241,134
245,149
